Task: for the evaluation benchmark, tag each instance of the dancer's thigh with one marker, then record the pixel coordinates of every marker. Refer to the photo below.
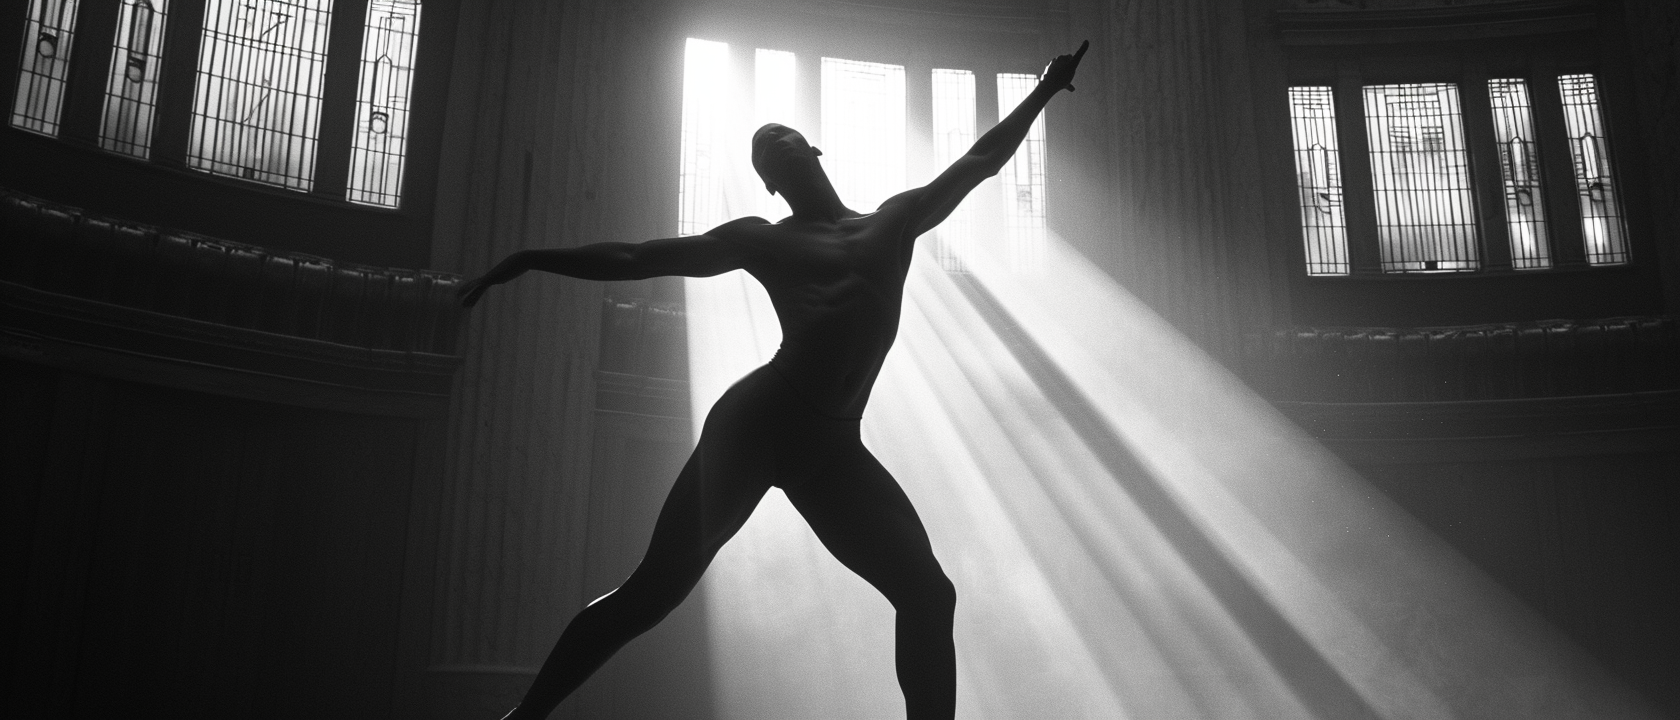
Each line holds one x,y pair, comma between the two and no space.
863,517
712,498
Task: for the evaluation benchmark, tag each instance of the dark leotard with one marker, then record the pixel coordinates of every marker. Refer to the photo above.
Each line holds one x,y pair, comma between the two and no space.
777,437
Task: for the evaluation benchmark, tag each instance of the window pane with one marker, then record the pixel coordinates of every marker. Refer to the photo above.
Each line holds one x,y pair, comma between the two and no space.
44,66
1023,180
376,153
1519,168
773,76
863,130
1420,174
1601,213
1318,176
953,135
131,85
700,198
257,106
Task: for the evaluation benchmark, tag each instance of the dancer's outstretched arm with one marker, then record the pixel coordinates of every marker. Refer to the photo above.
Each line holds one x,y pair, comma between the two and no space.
705,255
935,201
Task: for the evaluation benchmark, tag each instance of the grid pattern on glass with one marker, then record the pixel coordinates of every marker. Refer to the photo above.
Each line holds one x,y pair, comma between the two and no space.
1318,177
44,66
131,86
1601,212
773,78
1519,170
953,135
700,197
380,143
257,104
863,130
1023,183
1420,176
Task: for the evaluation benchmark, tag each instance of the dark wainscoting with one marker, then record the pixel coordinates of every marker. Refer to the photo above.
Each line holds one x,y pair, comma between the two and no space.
221,464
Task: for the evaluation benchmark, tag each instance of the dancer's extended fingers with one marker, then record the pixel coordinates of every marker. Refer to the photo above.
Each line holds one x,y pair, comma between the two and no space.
1077,54
470,292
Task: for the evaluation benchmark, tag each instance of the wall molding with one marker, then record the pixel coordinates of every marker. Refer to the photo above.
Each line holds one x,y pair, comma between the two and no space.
1352,26
135,302
1493,430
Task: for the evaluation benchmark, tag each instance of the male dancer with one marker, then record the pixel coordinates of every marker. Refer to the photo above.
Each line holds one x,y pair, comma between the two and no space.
836,278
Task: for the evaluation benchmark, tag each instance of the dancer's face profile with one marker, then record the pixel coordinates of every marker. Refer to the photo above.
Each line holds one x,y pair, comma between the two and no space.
783,157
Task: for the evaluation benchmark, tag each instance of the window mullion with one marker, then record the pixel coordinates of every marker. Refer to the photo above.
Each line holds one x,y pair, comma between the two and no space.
173,126
1563,210
807,90
918,118
1484,172
1357,191
989,218
96,25
338,99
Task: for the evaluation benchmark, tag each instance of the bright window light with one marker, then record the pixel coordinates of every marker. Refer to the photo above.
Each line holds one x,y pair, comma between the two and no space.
705,119
45,65
1023,180
1519,172
1601,211
953,135
863,130
773,75
381,139
131,86
1318,176
257,106
1420,173
1134,534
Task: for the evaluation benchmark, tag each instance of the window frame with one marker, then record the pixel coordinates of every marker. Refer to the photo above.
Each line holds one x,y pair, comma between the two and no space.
976,49
1537,60
163,190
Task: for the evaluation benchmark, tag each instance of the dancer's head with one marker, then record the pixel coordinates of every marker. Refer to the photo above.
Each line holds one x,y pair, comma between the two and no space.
783,159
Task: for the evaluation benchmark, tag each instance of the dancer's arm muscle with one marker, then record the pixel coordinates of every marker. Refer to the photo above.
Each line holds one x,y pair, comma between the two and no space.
932,203
713,253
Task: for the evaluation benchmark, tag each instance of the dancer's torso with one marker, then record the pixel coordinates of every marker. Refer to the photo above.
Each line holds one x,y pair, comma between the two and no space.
837,288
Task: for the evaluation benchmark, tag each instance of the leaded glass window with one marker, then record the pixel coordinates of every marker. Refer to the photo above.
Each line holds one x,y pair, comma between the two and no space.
387,76
45,65
863,130
257,104
953,135
1519,172
1023,180
1601,213
132,84
1318,178
1420,178
704,146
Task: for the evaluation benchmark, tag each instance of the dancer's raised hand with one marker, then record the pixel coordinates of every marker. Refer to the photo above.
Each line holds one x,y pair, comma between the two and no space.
1060,71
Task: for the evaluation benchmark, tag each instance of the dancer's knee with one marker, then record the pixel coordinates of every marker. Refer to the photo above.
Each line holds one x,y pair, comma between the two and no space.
643,605
933,596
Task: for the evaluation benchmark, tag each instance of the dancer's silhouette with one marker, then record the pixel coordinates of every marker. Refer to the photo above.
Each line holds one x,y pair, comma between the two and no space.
836,278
